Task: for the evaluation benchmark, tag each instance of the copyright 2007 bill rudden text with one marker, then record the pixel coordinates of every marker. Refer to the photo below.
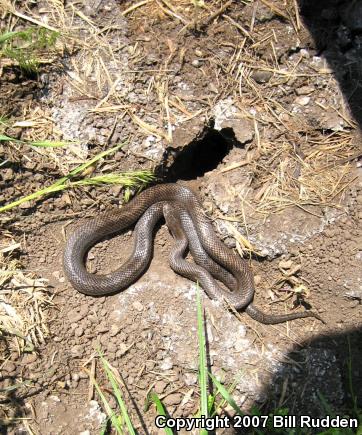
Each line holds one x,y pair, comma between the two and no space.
255,421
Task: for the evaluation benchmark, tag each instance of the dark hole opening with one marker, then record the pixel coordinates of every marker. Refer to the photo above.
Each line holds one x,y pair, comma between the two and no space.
200,156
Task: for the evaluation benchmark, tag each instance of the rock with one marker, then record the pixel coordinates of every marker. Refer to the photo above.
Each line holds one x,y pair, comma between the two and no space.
29,358
190,379
241,344
285,264
227,116
138,306
230,242
242,128
77,351
302,100
305,90
78,332
160,387
196,63
172,399
9,367
166,364
261,76
8,174
257,280
75,377
122,349
115,329
331,121
27,204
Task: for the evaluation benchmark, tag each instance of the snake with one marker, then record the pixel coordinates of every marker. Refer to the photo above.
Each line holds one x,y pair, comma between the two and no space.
190,228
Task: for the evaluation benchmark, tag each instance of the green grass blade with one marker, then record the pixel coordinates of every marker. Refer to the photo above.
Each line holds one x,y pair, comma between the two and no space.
117,393
90,162
49,143
36,195
115,421
37,143
8,35
202,356
3,138
225,394
152,397
61,183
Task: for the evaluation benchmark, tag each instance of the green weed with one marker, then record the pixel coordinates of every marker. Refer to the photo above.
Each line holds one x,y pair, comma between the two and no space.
36,143
26,46
122,419
134,179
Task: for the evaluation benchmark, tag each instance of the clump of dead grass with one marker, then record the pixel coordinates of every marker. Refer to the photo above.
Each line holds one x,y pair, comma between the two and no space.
24,305
316,178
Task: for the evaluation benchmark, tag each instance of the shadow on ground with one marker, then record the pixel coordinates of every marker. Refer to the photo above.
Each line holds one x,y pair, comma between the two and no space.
336,28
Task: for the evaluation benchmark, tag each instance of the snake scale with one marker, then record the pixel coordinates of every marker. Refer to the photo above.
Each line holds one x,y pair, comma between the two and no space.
191,230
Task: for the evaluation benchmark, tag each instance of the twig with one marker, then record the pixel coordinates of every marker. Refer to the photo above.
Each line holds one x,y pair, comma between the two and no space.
92,376
33,20
133,7
216,13
238,26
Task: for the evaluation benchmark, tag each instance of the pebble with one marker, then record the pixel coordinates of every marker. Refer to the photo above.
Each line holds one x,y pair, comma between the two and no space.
160,387
261,76
305,90
285,264
166,364
138,306
257,280
196,63
77,351
25,205
75,316
219,374
190,379
173,399
122,349
79,331
302,100
115,329
9,367
115,191
8,174
29,358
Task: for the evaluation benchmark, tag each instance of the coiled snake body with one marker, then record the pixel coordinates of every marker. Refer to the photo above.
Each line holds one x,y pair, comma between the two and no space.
190,228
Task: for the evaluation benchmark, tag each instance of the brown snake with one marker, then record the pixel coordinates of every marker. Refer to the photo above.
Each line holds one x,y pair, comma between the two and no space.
190,228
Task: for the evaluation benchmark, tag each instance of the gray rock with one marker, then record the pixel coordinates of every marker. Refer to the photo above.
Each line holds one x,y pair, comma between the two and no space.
261,76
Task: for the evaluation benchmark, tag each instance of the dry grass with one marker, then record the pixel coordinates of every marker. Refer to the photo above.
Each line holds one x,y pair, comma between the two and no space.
24,304
314,178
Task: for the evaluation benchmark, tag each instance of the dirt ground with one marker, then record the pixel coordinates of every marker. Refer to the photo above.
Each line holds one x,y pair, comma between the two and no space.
250,104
